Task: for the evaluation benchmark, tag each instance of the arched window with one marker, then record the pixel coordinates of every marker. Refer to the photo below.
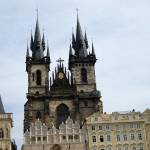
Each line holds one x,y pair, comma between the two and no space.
83,75
1,133
38,115
62,113
38,77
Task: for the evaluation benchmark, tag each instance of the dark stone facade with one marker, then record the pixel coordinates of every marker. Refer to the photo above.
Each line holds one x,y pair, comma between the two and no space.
70,92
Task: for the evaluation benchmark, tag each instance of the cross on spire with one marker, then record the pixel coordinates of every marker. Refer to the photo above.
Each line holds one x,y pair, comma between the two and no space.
60,61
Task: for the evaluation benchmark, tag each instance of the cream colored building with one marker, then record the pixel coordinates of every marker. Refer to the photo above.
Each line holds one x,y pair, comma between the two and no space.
119,131
5,128
68,136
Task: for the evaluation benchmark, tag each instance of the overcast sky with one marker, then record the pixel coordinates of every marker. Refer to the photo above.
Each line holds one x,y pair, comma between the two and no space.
120,30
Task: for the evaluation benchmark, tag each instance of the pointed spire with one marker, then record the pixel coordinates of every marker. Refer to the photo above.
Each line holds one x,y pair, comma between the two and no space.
27,53
63,66
43,41
48,53
31,42
1,106
55,71
37,36
68,77
86,40
65,70
70,51
50,81
93,51
37,52
53,76
79,35
73,41
81,50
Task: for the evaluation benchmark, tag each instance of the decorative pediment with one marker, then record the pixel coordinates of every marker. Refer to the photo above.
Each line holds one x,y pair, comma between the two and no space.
61,79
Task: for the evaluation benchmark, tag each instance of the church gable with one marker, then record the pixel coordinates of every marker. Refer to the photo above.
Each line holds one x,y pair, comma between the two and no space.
61,79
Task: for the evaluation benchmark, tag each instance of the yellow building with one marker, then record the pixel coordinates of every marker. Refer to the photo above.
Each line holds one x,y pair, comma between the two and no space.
5,129
119,131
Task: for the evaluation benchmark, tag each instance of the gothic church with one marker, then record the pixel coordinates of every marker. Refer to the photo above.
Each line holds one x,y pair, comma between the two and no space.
68,93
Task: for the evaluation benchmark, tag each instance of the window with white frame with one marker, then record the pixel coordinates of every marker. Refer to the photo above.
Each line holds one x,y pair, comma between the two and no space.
125,138
140,136
94,139
138,125
117,127
126,148
118,137
100,127
108,138
93,127
132,136
133,148
101,138
119,148
141,147
131,125
107,127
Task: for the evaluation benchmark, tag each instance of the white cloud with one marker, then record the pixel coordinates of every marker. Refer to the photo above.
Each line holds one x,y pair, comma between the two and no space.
121,33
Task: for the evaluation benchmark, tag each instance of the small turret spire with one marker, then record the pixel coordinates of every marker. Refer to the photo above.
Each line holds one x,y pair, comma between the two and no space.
27,53
86,40
31,42
43,41
2,110
48,53
70,51
73,41
93,51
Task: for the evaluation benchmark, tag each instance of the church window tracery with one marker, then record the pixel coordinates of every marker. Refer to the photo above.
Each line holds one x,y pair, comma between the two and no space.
83,75
38,77
62,113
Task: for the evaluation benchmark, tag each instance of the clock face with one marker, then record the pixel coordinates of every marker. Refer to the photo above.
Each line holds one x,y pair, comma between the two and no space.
61,75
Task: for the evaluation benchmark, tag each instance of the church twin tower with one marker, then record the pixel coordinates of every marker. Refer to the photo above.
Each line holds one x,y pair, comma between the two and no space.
68,92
